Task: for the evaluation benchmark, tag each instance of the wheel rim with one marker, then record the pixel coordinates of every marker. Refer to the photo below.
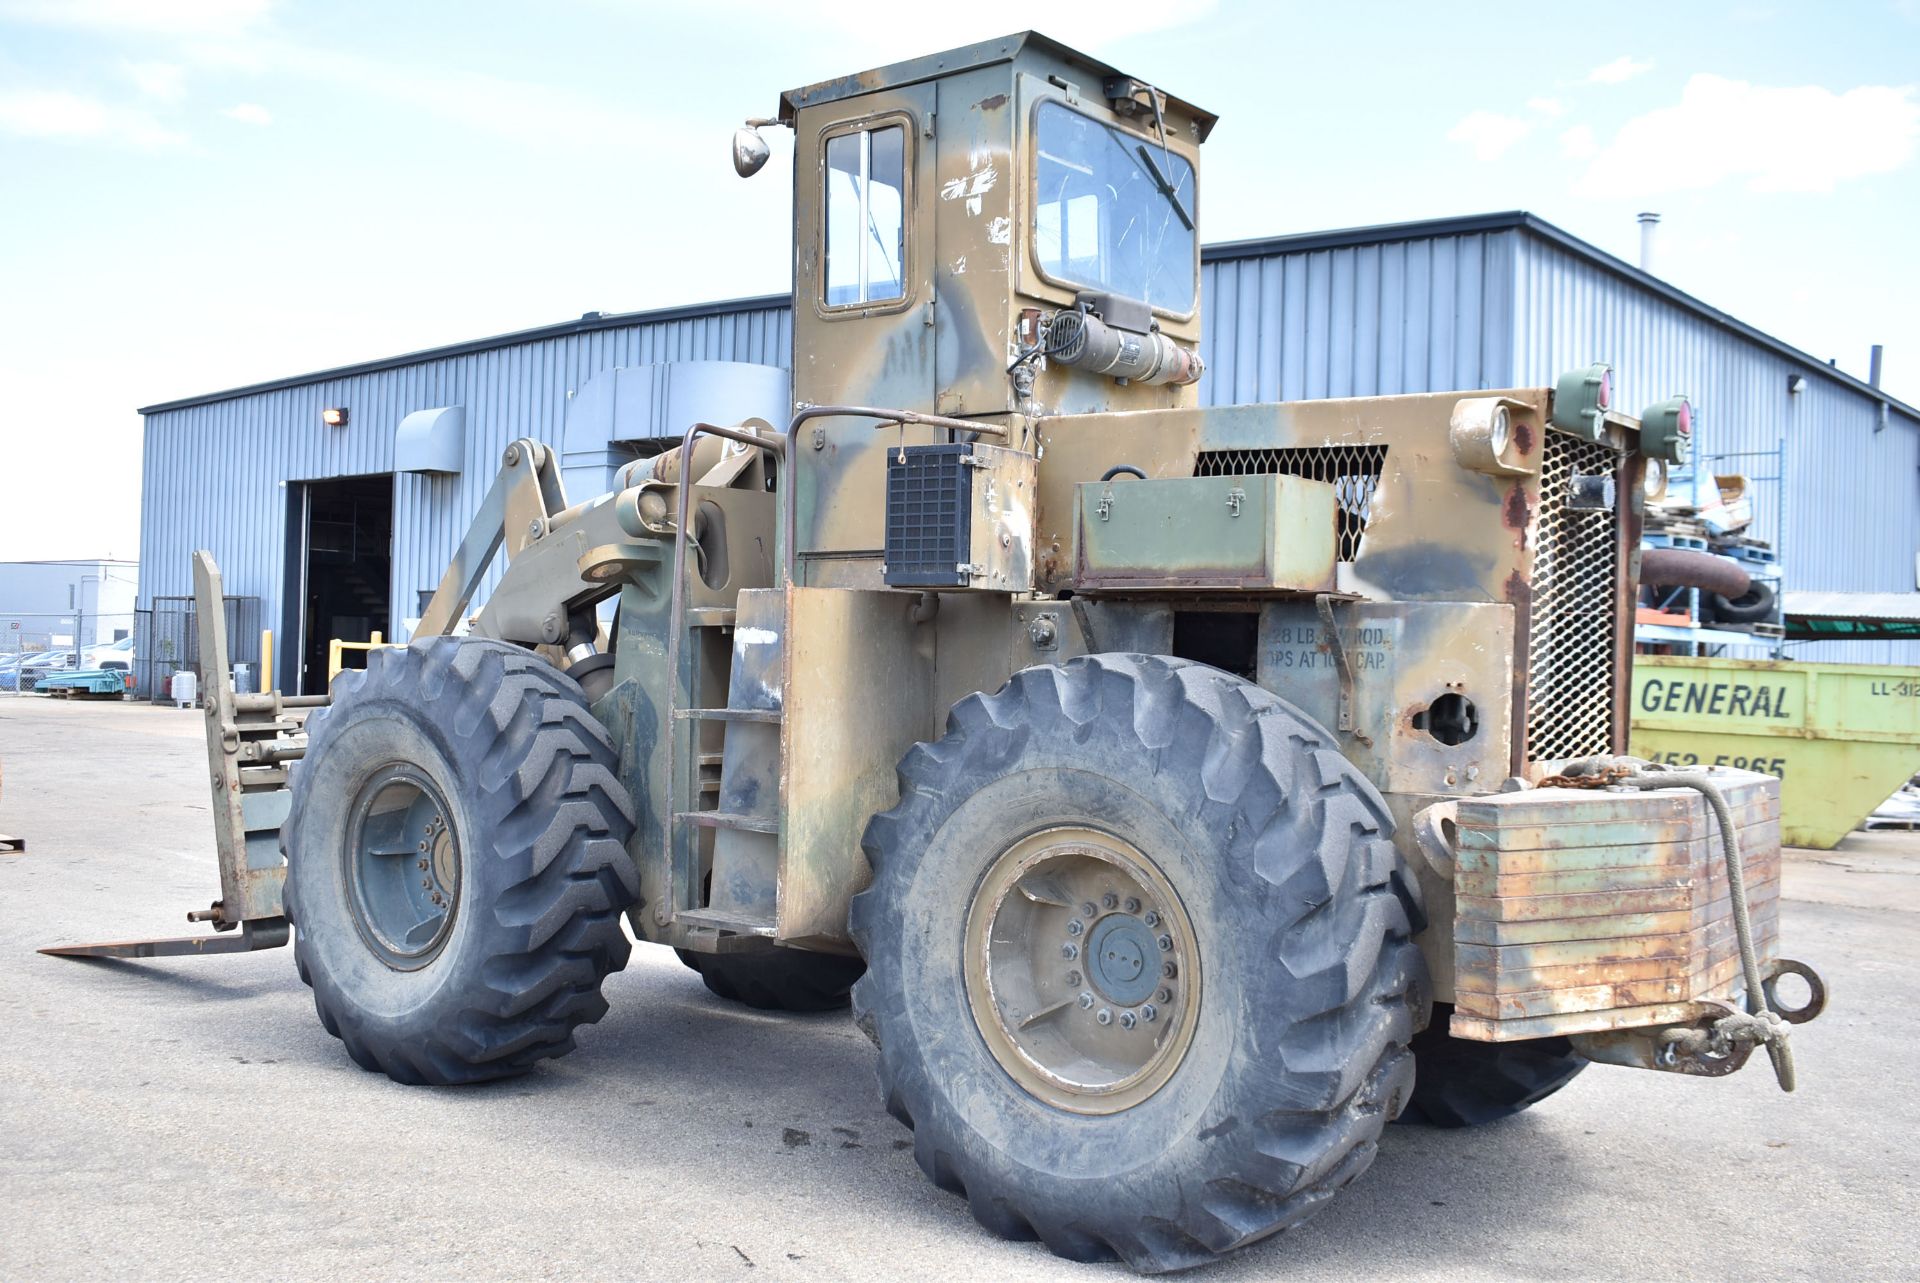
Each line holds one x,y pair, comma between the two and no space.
403,867
1082,970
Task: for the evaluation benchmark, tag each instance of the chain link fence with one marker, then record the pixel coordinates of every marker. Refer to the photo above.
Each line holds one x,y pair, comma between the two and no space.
36,645
148,646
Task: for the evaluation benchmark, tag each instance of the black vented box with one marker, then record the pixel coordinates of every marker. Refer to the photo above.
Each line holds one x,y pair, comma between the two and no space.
959,516
929,515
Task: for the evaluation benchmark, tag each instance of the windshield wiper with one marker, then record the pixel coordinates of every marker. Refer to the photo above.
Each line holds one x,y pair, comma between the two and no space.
1165,184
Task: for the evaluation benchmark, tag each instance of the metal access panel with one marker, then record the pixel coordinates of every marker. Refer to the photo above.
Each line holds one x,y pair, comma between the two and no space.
959,516
1429,686
1263,533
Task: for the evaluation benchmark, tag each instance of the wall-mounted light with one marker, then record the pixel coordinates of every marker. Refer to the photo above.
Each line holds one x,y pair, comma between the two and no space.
1796,384
334,416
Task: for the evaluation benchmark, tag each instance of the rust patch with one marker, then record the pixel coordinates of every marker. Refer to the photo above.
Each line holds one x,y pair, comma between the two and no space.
1523,436
994,103
1520,593
1515,513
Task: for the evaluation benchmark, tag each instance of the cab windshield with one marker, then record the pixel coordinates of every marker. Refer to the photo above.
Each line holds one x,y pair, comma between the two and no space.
1115,212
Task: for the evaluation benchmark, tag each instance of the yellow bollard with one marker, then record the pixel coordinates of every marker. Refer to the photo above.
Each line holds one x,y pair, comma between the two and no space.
266,659
336,648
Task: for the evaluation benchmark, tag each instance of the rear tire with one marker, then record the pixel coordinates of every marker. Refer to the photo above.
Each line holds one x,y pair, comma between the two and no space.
778,979
1461,1083
456,862
1204,850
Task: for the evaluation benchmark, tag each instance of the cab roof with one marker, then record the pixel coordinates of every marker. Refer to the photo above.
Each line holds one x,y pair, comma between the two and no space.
983,54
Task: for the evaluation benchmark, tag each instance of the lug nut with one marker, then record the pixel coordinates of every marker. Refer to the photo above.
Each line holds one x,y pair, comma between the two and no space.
1086,1000
421,865
423,844
1166,995
1132,905
1126,1020
1110,899
1088,909
1168,970
1148,1012
1073,979
1152,919
1075,927
1165,942
1104,1016
426,884
1069,951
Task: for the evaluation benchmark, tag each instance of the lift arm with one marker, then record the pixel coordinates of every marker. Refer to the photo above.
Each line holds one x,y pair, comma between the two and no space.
523,498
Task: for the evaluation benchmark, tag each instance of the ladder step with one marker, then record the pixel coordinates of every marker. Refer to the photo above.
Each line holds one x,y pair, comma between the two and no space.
718,921
730,820
729,714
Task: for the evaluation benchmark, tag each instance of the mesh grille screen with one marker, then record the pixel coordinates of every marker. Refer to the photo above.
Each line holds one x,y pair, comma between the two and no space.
1354,471
929,515
1570,639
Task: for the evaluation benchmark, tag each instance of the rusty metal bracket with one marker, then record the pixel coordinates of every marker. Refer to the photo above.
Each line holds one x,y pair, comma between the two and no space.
1323,603
1686,1049
1816,990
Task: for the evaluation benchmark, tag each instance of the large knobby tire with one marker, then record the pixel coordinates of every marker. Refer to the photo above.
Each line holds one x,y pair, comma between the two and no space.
778,979
474,769
1461,1083
1213,808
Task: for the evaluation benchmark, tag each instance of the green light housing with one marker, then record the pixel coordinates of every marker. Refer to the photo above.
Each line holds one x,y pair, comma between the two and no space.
1581,400
1666,430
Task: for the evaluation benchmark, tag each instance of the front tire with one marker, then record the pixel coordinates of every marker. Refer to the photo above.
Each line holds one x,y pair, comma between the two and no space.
1278,961
456,862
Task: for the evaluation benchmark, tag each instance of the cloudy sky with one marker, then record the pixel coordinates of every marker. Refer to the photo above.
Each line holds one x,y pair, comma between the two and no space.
196,194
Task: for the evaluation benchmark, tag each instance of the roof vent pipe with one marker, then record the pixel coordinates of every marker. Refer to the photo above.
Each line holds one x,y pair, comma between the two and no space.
1873,364
1648,222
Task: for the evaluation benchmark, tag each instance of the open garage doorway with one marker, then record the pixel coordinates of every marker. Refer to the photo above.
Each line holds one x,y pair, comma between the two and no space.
339,573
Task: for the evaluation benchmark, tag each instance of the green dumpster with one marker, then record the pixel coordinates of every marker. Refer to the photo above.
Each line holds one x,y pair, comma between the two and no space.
1841,737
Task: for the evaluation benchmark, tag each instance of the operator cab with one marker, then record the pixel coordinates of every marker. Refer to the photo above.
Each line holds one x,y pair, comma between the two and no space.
1010,228
1004,233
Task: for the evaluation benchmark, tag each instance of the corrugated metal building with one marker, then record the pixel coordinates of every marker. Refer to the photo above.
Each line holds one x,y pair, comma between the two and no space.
1499,300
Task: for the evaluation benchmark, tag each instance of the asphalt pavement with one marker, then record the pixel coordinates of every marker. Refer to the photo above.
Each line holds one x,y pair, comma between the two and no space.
189,1118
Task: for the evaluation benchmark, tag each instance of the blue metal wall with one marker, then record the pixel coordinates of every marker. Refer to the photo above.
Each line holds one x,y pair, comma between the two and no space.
1366,319
216,473
1496,301
1846,518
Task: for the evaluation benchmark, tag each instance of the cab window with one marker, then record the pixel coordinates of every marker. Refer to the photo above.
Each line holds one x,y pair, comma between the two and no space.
1114,211
866,217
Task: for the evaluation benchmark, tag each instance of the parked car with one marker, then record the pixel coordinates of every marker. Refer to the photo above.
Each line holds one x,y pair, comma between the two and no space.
115,654
26,674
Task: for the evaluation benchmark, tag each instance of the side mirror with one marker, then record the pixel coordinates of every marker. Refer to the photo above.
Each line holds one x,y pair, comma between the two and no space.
750,150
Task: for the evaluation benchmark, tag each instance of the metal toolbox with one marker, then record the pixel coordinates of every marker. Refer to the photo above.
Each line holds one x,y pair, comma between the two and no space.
1270,532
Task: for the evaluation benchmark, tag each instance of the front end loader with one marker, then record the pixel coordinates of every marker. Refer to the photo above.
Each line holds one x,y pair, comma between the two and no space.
1179,793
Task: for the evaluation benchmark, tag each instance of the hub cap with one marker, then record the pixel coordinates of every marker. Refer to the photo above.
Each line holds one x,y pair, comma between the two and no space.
403,867
1082,971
